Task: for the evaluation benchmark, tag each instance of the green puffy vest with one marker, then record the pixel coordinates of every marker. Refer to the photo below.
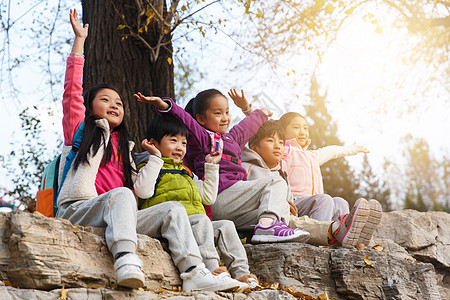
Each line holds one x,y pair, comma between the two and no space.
174,187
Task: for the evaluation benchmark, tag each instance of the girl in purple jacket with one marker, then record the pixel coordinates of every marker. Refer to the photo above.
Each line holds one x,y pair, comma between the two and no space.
246,203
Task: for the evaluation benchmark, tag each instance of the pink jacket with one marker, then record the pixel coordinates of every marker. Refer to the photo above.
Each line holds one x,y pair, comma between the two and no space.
302,166
108,176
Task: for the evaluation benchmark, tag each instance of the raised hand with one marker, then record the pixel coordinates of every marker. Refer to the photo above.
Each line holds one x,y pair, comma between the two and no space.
361,149
239,100
267,112
214,158
80,31
156,101
150,148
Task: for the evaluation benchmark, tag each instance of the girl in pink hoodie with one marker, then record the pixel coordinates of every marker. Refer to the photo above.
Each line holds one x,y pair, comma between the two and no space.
302,167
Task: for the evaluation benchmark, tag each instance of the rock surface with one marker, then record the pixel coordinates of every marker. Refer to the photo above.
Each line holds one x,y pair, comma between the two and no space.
41,255
47,253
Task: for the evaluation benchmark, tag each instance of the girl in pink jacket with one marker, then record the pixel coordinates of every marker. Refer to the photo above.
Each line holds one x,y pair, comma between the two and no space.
302,167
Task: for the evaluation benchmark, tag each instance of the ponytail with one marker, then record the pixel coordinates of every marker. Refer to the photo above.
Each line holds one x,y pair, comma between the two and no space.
189,108
200,104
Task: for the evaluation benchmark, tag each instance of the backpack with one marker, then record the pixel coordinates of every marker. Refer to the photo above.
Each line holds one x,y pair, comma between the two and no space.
46,198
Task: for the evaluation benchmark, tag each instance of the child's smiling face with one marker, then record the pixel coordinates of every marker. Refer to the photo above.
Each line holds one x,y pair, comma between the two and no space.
270,149
172,147
217,117
108,105
298,128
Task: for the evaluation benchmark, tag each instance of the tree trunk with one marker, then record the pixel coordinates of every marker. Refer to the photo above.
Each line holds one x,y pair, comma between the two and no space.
126,63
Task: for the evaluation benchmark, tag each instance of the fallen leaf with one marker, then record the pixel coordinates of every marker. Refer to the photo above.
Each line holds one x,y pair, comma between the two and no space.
323,297
275,286
367,261
360,246
378,247
63,293
74,230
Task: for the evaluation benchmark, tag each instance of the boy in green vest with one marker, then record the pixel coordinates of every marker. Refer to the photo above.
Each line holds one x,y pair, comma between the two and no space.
163,178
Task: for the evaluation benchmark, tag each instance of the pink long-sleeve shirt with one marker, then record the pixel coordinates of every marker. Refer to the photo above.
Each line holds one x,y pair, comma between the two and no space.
302,166
111,175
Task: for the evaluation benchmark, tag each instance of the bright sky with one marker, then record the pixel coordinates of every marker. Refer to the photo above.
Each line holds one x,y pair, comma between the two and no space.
357,69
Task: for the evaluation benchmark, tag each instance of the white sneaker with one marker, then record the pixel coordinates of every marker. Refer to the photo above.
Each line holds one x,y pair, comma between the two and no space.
253,283
201,279
226,276
128,271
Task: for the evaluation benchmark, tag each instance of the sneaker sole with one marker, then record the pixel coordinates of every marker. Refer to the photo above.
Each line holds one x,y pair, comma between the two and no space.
299,236
132,282
360,219
373,220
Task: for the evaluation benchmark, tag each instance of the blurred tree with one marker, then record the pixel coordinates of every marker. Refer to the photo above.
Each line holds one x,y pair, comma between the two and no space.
372,187
339,179
426,188
33,156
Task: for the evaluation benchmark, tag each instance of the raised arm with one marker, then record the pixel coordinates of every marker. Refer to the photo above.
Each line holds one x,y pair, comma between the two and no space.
248,127
332,152
73,107
208,188
241,101
197,133
81,33
144,186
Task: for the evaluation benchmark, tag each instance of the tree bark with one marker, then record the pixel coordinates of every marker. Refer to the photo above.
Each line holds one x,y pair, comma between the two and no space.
126,63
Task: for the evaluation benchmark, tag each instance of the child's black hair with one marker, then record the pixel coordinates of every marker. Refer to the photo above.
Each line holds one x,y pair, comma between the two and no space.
200,104
287,118
93,137
268,129
165,125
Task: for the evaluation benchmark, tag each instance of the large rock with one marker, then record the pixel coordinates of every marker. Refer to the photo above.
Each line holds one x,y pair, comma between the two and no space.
342,273
422,236
47,253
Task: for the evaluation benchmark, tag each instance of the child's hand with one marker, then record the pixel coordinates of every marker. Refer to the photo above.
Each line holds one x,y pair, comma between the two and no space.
213,158
80,31
361,149
156,101
151,148
239,100
267,112
292,208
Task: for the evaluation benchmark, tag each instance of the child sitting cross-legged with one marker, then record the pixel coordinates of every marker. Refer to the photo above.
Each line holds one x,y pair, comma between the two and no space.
302,167
163,178
263,159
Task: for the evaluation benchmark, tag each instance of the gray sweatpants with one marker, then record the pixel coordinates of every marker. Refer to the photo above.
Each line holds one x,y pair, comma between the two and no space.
116,211
230,247
245,202
223,235
321,207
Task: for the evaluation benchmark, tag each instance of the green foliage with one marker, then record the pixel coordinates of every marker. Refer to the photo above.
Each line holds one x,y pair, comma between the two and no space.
338,178
26,162
426,177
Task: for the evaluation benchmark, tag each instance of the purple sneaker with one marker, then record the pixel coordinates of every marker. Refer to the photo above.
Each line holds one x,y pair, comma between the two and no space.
278,232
